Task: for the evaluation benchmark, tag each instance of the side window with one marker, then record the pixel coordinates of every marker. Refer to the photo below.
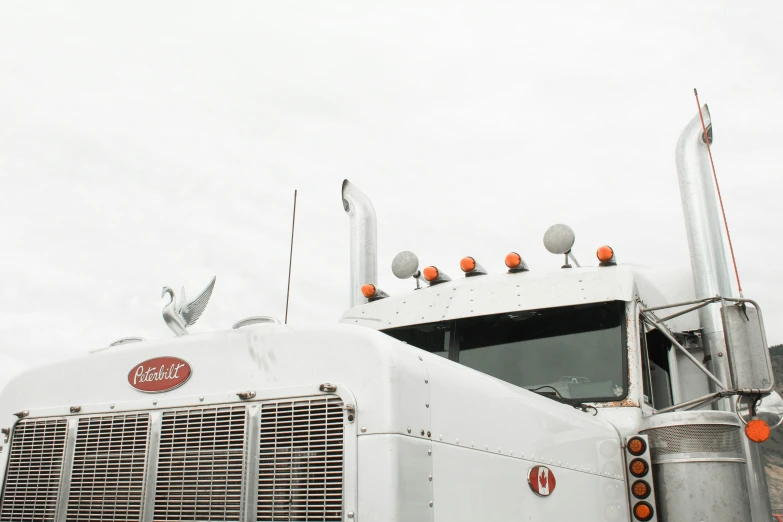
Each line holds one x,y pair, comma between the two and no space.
658,350
436,338
655,366
646,384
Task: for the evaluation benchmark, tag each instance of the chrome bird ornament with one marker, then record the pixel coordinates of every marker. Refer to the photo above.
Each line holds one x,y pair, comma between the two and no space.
180,315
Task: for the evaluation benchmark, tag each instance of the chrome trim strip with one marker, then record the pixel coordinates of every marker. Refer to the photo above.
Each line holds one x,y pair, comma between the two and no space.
151,468
705,459
67,470
252,451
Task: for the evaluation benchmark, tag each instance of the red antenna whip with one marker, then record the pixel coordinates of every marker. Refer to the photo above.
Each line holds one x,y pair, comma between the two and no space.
720,199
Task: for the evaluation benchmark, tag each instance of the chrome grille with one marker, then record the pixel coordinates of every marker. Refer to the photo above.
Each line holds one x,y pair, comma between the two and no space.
108,468
301,460
200,464
34,469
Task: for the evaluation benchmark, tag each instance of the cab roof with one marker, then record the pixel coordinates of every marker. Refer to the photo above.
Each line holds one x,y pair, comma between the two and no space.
497,293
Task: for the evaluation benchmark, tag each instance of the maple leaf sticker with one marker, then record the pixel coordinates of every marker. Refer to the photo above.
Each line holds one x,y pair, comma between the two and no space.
541,480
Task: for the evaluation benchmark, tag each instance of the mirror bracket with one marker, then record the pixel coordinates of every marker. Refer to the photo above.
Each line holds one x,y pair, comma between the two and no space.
746,345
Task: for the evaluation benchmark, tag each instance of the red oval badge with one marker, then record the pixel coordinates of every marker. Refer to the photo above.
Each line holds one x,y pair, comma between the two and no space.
159,374
541,480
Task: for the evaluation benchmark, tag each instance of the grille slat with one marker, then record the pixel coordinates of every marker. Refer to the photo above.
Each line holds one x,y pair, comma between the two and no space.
301,460
107,480
34,471
201,464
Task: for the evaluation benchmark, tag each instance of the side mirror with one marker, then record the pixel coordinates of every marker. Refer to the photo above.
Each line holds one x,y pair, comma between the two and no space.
746,345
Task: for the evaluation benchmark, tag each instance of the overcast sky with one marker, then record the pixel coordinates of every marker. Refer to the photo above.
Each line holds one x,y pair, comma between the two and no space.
146,144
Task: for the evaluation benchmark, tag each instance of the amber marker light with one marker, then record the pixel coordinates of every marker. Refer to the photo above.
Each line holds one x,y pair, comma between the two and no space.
430,273
368,291
640,489
643,511
513,260
467,264
757,430
605,254
638,468
636,446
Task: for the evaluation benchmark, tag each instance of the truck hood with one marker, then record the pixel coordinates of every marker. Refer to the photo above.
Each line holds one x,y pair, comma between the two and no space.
394,388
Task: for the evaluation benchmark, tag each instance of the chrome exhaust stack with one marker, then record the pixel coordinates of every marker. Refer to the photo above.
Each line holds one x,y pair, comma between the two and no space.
706,243
364,241
703,223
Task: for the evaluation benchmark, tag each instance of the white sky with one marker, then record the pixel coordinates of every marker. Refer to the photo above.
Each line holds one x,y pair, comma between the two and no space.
147,144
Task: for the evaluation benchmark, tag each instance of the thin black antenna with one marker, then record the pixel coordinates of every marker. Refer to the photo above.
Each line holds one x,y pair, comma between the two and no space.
290,258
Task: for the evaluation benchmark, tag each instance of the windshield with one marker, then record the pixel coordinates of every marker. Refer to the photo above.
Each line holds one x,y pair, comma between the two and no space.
577,351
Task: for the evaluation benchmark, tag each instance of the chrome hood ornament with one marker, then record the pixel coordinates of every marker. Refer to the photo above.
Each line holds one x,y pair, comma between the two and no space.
180,315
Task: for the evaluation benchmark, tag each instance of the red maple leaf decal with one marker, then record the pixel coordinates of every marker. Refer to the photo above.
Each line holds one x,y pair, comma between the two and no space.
542,478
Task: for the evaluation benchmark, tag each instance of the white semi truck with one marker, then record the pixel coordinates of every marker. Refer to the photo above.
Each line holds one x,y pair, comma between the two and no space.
578,394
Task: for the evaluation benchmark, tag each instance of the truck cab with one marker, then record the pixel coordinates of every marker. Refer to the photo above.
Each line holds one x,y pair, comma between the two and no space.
574,333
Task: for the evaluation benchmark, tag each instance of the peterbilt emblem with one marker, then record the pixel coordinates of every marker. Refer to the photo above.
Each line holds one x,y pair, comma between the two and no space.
541,480
159,375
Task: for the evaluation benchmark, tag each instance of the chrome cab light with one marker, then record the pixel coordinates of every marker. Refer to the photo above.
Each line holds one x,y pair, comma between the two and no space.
471,267
435,276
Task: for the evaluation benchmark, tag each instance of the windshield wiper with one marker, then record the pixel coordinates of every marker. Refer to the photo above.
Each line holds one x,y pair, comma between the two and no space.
575,403
564,400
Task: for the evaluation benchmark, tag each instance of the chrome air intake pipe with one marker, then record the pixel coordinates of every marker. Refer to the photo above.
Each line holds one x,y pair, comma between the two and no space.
707,244
364,241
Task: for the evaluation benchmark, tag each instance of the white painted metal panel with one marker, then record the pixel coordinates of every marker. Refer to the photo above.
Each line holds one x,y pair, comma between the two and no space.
481,412
394,484
471,485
